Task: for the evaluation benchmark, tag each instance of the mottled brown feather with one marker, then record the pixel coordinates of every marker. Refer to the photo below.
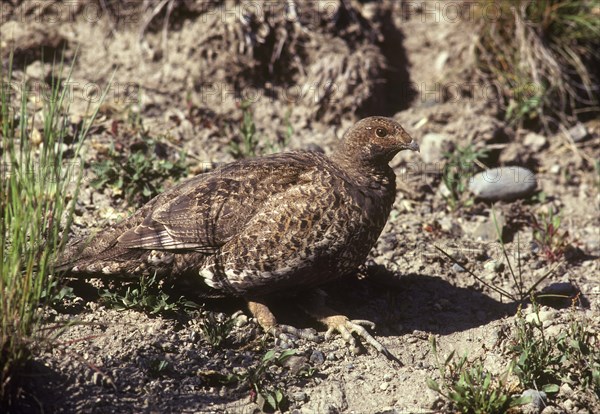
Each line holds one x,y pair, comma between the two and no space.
254,227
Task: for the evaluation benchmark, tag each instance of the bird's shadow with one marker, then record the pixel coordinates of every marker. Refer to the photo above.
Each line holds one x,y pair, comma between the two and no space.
400,305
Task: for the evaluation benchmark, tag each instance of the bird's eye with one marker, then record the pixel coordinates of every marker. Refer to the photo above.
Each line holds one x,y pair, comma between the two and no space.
381,132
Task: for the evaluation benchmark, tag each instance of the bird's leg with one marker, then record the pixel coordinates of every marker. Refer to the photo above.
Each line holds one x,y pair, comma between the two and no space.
268,323
316,307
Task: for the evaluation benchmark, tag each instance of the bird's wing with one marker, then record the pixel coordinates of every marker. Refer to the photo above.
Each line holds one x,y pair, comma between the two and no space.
205,212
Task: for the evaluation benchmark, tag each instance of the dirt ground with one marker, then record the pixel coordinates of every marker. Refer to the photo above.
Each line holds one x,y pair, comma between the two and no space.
315,69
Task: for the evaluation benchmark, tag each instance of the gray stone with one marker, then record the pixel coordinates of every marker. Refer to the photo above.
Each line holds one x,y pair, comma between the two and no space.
494,265
504,183
578,132
535,141
433,147
317,357
299,396
458,268
544,317
539,400
565,391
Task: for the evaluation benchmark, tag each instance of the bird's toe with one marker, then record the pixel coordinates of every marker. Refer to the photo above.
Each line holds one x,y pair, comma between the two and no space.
309,334
347,328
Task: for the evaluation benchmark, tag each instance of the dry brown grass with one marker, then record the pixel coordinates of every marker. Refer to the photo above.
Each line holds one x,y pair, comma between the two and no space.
543,56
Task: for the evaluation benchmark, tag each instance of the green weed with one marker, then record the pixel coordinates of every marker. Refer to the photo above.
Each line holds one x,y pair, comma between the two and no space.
545,362
547,234
38,186
470,388
146,296
269,397
216,328
139,174
159,368
249,141
250,145
458,169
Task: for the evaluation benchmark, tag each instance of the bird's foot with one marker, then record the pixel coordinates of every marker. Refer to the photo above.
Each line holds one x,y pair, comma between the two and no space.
283,331
347,327
268,323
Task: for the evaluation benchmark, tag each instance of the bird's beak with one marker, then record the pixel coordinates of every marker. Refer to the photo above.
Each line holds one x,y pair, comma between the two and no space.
414,146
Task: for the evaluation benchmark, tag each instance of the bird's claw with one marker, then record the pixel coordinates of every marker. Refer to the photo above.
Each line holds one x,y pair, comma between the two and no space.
347,328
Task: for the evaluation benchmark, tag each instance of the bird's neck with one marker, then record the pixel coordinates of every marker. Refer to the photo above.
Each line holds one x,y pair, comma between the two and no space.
367,174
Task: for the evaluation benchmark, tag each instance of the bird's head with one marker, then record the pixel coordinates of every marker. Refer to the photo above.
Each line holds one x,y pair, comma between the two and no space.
375,140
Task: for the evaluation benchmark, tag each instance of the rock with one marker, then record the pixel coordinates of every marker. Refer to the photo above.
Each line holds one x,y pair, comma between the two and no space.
535,141
565,391
36,137
433,147
39,71
490,276
440,61
299,396
449,225
504,183
296,363
552,410
458,268
569,406
578,132
241,320
516,153
538,401
545,317
494,265
444,191
317,358
384,386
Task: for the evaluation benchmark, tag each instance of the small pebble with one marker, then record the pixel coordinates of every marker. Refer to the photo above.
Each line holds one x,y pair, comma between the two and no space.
384,386
545,317
299,396
458,268
535,141
539,400
565,390
569,406
241,320
317,357
578,132
494,265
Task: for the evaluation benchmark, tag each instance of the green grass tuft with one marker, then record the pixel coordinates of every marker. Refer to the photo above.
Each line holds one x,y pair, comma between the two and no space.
38,187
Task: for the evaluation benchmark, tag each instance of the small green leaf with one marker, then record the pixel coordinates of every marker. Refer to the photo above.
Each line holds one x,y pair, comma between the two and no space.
550,388
433,385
